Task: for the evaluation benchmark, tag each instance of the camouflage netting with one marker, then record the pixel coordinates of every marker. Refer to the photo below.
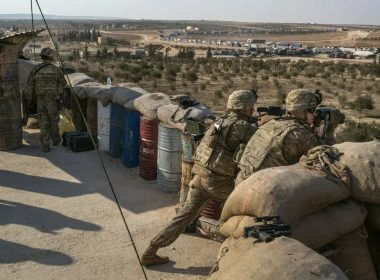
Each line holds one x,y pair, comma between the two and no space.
283,258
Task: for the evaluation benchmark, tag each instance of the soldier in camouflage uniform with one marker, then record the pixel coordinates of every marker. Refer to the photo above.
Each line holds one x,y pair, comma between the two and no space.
283,140
215,167
46,79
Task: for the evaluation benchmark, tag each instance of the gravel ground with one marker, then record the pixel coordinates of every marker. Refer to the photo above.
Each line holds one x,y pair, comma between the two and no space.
58,219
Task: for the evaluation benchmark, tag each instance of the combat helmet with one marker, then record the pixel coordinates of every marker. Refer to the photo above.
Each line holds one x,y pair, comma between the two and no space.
241,100
47,53
302,99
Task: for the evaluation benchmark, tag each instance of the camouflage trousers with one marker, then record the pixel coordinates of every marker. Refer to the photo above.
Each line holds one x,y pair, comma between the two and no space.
197,198
48,117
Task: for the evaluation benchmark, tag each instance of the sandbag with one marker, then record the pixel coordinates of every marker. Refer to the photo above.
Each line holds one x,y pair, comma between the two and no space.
315,230
363,160
283,258
353,256
78,78
374,215
165,113
121,95
149,103
291,192
90,90
175,116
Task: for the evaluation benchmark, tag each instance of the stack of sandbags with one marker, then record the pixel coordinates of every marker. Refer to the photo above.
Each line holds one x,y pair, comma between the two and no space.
283,258
363,161
316,208
76,79
122,96
353,257
148,104
176,116
314,230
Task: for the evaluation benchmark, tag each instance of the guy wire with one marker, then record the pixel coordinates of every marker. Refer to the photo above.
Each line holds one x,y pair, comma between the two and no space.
96,148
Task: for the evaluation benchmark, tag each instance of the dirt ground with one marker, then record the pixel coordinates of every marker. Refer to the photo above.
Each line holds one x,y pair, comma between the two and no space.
58,219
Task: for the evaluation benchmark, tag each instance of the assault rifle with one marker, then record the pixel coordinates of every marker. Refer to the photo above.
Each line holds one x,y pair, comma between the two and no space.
271,228
271,110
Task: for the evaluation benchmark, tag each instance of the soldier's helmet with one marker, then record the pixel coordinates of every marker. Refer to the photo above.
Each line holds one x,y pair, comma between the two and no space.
47,53
301,99
241,100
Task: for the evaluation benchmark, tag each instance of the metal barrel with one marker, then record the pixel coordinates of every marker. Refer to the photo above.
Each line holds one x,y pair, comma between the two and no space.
10,102
92,117
169,162
213,209
131,139
104,115
116,130
148,148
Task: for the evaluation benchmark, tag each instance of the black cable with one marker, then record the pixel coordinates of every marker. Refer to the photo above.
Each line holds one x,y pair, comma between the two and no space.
34,41
96,148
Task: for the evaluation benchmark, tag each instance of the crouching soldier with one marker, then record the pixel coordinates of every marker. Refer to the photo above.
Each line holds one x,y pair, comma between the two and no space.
214,169
283,140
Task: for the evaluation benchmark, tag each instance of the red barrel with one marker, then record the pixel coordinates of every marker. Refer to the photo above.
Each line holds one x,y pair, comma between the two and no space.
213,209
148,148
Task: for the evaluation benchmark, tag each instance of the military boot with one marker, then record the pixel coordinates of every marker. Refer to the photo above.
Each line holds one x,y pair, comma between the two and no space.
150,257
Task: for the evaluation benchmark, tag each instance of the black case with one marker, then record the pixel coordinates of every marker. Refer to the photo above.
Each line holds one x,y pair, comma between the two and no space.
67,135
80,143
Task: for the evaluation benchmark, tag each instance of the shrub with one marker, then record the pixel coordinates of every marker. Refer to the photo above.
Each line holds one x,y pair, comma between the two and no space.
191,76
318,83
368,88
326,75
363,102
293,81
214,78
342,100
265,77
203,86
218,93
357,132
300,84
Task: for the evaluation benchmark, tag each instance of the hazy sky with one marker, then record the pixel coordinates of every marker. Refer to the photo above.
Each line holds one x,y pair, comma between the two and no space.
313,11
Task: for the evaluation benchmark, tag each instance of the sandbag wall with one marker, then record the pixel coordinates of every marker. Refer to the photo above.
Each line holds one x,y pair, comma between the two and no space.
320,211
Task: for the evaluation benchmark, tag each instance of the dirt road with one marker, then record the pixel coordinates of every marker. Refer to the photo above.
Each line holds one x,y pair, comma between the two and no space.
58,219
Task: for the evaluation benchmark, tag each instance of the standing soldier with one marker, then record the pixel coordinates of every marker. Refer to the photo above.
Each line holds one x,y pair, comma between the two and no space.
283,140
215,168
46,79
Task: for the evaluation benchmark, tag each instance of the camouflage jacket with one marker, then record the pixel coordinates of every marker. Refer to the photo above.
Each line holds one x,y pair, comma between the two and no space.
47,81
221,147
281,141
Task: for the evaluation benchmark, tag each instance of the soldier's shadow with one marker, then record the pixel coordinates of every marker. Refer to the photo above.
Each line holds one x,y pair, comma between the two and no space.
192,270
12,252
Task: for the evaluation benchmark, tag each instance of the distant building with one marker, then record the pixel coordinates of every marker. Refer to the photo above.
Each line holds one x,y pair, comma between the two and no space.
102,40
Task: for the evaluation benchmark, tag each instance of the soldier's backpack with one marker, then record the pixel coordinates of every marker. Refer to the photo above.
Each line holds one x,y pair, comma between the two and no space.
81,143
68,134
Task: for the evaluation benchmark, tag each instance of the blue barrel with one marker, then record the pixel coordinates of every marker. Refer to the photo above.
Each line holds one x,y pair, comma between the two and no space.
116,130
169,159
131,140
